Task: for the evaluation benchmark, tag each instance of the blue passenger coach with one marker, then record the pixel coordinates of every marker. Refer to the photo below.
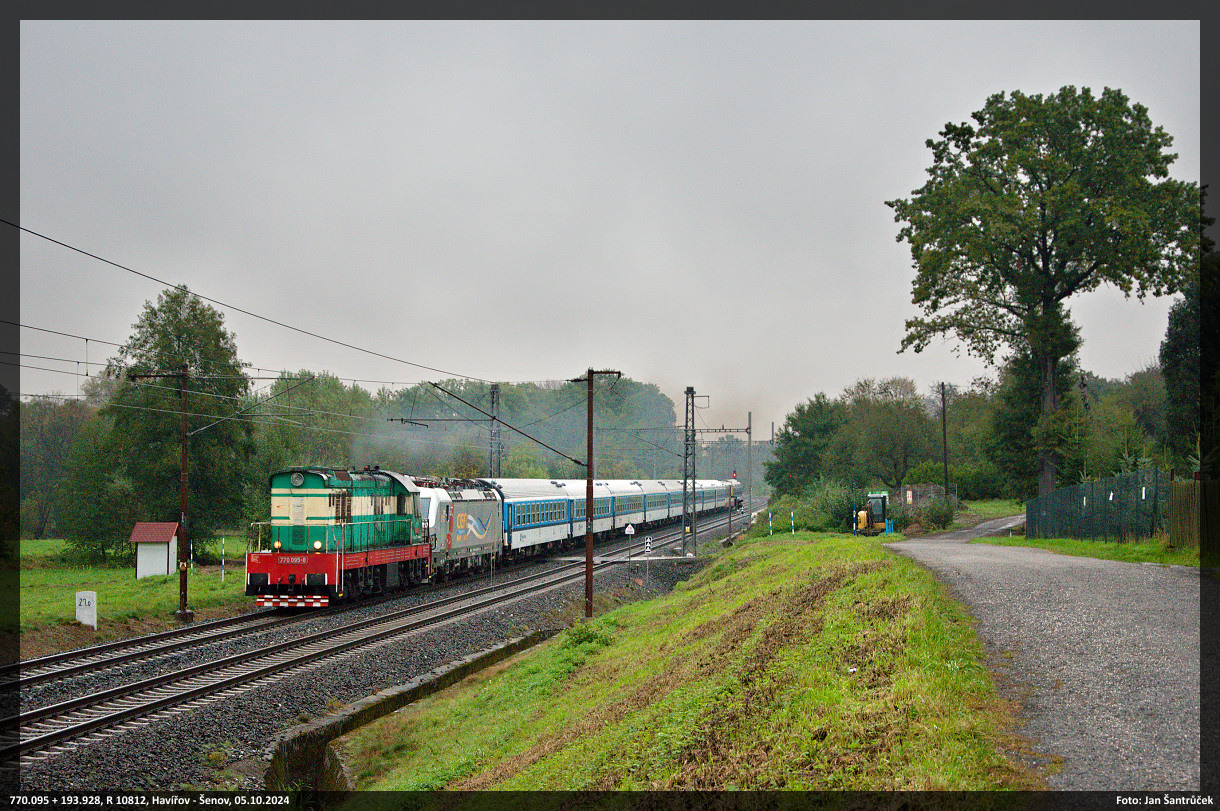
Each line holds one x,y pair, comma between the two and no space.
540,515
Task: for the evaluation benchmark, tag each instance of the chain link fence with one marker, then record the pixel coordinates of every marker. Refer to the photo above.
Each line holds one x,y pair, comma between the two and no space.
1126,507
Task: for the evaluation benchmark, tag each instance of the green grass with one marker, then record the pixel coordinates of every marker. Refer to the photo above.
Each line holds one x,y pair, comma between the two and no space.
48,587
820,662
42,548
1147,552
994,508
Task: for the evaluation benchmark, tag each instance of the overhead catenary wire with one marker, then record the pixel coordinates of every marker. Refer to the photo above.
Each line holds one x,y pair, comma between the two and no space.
305,411
57,332
510,427
50,357
259,404
257,419
239,309
139,384
546,384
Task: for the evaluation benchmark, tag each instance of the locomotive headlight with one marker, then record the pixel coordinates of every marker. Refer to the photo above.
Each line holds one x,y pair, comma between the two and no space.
317,545
276,544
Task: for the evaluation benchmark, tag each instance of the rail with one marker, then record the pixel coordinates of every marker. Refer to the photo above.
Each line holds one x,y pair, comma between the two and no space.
76,718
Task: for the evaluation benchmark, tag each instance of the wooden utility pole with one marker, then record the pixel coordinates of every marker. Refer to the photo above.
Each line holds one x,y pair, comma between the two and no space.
589,485
183,613
944,437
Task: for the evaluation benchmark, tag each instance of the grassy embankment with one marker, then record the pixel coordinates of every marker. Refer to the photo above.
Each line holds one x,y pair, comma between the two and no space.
126,606
818,661
1148,552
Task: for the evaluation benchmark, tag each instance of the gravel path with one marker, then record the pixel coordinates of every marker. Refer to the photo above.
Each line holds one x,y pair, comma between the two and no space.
1104,656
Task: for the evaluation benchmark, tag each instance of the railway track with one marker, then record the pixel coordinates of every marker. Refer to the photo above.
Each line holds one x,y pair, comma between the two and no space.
40,732
28,672
66,664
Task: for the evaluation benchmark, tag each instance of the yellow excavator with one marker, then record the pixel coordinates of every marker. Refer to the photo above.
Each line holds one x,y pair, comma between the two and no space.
871,519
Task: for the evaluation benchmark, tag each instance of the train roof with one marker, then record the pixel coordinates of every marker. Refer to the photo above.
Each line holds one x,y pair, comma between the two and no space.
330,474
509,489
518,489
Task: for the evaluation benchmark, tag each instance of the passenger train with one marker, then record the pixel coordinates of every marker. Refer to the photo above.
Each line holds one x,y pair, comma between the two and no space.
339,534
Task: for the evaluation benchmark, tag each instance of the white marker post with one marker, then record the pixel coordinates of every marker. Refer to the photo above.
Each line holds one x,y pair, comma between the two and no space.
629,531
86,608
647,557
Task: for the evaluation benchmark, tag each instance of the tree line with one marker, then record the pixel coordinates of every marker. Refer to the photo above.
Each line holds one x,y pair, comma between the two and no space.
886,434
92,467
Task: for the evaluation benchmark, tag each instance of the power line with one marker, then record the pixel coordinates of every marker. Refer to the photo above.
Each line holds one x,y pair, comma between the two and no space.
57,332
258,404
510,427
238,309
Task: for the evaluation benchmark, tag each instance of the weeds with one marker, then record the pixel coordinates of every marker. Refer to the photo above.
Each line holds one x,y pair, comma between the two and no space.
825,664
1160,552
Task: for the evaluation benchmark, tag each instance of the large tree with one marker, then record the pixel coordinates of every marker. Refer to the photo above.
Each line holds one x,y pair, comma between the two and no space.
181,331
1179,358
801,444
48,429
888,428
1042,198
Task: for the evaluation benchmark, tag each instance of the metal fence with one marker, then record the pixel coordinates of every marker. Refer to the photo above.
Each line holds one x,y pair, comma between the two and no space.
1184,513
1129,506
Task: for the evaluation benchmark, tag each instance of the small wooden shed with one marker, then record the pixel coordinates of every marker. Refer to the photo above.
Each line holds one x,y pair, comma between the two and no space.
156,548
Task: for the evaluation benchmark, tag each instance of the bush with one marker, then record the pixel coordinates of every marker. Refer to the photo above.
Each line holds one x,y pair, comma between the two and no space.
825,506
974,483
937,515
836,501
899,514
983,482
582,633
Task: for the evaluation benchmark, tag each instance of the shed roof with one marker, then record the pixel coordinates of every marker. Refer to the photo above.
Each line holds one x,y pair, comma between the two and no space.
154,532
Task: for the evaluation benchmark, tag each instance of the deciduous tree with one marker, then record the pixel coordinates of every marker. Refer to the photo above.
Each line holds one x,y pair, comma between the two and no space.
801,444
1042,198
889,426
180,331
48,428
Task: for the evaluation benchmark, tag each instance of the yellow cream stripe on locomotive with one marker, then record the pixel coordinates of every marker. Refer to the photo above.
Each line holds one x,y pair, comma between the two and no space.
314,505
299,506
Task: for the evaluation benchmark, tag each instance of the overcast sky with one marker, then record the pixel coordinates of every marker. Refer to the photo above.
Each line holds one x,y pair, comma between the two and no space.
694,204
